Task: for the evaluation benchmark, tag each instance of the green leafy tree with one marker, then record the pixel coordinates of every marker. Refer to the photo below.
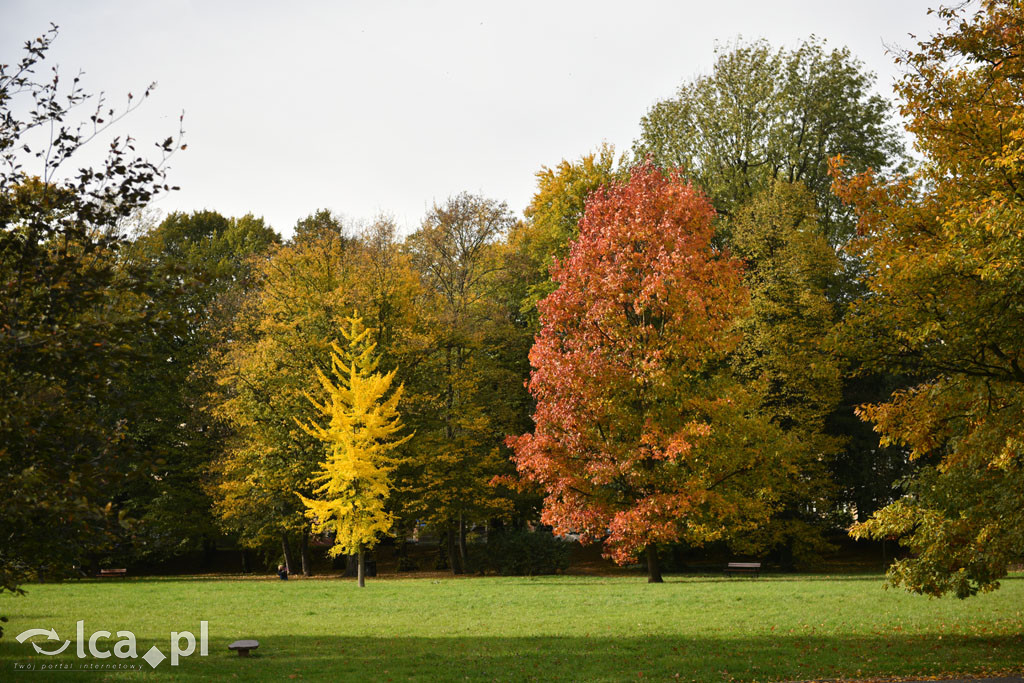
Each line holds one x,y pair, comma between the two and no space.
198,265
766,114
764,119
462,387
68,323
785,359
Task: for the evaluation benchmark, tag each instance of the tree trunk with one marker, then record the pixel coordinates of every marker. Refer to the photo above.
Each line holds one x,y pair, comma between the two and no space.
402,554
287,548
401,549
462,542
442,552
362,568
453,554
653,568
307,563
209,553
245,561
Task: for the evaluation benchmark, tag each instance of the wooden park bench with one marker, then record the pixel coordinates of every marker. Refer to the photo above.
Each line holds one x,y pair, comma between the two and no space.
242,647
107,573
743,568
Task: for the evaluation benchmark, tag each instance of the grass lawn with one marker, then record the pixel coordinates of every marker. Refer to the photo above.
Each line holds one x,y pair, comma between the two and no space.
547,628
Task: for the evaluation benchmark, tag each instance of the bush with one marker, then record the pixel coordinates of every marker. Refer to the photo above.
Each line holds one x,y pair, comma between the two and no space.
520,552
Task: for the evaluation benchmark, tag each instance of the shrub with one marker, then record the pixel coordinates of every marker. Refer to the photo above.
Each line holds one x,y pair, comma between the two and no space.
518,552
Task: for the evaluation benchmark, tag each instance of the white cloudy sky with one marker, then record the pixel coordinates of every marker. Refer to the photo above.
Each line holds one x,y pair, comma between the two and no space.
374,107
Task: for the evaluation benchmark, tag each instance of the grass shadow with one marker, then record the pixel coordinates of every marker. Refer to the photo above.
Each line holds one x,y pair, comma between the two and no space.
562,658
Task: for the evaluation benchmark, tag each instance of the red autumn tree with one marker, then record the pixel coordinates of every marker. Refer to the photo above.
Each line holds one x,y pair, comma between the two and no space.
641,436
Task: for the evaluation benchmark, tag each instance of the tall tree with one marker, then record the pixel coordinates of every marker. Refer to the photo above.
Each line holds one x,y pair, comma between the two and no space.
784,356
460,402
352,484
641,432
552,219
945,256
198,265
265,366
767,114
766,118
68,325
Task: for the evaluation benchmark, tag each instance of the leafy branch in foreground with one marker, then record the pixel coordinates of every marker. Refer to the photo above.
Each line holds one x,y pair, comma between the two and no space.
944,252
69,316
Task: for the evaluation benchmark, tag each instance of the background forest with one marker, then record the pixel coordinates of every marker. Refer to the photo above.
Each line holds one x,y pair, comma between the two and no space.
839,350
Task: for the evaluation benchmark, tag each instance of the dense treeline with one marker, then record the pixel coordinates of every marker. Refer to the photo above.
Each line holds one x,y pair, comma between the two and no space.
689,343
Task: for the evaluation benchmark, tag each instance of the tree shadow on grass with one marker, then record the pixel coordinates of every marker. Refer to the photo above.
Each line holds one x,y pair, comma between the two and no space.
560,658
561,579
570,580
692,578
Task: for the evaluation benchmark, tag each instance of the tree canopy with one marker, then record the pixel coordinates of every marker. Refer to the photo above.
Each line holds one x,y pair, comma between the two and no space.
70,315
691,345
641,436
768,114
945,257
352,485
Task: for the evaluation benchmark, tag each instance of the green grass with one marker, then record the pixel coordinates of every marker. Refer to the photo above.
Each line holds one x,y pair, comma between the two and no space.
548,628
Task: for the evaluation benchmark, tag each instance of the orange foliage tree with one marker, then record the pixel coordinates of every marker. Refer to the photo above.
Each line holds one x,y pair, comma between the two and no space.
641,435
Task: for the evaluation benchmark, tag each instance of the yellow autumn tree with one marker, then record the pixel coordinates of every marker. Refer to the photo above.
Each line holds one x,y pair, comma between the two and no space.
353,483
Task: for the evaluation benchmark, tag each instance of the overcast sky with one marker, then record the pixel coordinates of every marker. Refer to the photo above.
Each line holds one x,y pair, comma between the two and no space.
372,107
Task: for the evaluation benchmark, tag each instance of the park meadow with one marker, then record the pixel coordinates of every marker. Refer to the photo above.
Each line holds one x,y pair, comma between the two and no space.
763,369
547,628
